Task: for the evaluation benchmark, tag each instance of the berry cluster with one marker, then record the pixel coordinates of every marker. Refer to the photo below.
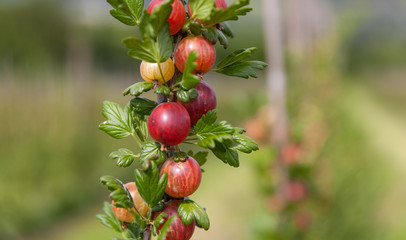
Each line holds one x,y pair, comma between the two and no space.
176,49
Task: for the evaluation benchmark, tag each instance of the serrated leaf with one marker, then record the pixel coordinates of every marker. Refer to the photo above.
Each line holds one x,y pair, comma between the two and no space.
201,8
165,228
135,7
138,88
232,12
162,89
243,69
143,106
141,128
245,143
226,29
156,45
150,185
160,15
122,17
208,131
119,193
237,64
108,219
120,123
226,153
152,151
189,80
189,211
200,157
123,156
213,35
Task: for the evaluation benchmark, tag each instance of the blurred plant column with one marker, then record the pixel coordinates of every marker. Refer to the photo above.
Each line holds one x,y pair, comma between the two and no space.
276,82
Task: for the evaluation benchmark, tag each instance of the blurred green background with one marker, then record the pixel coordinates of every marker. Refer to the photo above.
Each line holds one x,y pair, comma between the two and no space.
346,96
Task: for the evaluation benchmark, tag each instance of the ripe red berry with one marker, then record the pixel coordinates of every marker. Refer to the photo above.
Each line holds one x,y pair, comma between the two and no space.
205,50
177,230
205,102
169,123
178,15
183,177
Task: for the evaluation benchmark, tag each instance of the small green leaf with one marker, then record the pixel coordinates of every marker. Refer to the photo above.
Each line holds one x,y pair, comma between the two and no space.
135,7
182,96
150,186
152,151
245,143
209,132
232,12
122,17
108,219
165,228
119,193
123,156
143,106
189,211
213,35
201,157
160,15
237,64
226,29
138,88
193,93
180,156
120,123
162,89
226,153
201,8
189,80
160,219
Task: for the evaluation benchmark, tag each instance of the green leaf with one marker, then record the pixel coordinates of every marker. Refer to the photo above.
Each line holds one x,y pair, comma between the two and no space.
245,143
162,89
237,64
127,11
226,29
140,122
152,151
180,156
165,228
135,7
119,193
208,131
123,156
160,219
108,219
120,123
150,186
200,157
160,14
189,80
156,45
213,35
201,8
193,93
138,88
232,12
143,106
189,211
122,17
182,96
226,153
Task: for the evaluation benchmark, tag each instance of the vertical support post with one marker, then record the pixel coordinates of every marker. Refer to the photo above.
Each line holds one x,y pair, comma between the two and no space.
276,87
